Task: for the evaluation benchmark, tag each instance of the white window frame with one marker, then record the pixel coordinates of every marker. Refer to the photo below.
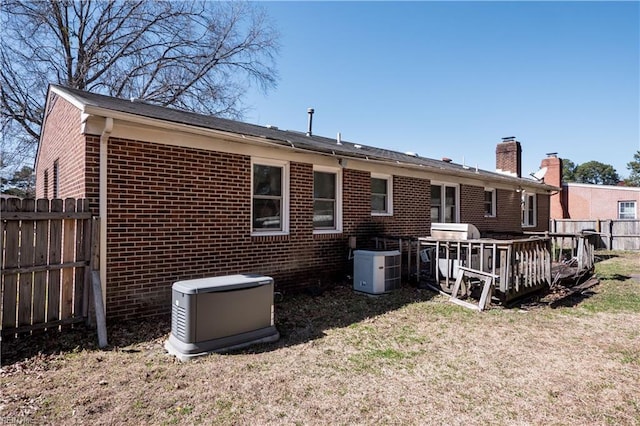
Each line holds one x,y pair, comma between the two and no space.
526,206
443,186
338,218
631,203
284,165
389,207
493,202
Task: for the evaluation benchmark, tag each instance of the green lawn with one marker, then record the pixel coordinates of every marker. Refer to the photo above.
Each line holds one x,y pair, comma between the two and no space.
410,357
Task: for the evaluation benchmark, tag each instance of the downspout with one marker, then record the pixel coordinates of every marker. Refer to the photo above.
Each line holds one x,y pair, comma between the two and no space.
104,138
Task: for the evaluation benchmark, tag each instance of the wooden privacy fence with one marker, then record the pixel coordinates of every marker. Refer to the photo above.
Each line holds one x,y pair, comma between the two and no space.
46,252
614,234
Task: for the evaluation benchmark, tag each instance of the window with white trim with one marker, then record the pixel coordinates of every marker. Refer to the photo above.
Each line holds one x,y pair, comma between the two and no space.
489,202
327,200
627,210
444,203
528,210
381,195
269,197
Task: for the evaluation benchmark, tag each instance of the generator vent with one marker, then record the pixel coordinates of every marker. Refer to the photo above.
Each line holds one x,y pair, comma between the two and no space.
179,321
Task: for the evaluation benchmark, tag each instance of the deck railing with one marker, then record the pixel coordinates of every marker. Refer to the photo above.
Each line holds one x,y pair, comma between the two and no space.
578,248
522,265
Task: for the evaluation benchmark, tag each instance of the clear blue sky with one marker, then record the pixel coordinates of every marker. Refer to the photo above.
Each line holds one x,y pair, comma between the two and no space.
450,79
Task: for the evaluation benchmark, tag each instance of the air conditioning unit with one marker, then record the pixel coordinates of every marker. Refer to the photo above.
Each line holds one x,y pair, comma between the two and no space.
219,314
376,272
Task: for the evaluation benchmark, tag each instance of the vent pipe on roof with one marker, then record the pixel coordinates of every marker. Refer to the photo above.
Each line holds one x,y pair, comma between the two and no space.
310,111
339,139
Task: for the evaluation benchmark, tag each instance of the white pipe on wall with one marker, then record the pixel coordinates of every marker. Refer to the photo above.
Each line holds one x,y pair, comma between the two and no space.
104,138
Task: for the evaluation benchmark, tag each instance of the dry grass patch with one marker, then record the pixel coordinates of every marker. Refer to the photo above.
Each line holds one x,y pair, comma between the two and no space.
407,358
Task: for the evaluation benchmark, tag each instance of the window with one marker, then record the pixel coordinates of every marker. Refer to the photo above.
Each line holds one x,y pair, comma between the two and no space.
626,209
327,200
528,210
444,203
45,183
381,195
489,202
56,179
270,201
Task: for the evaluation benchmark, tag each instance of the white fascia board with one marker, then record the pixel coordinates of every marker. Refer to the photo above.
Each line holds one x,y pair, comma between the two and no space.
68,97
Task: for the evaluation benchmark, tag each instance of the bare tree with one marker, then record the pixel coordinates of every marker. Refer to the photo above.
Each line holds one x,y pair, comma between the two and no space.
197,56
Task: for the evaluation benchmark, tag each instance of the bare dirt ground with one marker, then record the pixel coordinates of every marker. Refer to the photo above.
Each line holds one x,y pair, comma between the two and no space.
406,358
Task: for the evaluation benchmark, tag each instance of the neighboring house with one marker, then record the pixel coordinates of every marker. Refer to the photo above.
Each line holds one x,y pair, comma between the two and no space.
183,195
582,201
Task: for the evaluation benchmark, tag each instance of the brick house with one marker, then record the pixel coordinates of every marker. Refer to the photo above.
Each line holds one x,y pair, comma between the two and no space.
184,195
582,201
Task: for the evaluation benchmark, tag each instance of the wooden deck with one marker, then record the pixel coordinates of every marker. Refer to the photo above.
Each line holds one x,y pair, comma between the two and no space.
521,266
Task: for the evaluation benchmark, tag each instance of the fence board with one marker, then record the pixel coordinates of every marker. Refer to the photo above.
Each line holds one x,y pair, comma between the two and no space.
68,254
11,260
25,286
86,278
41,259
78,282
55,255
615,234
626,235
46,250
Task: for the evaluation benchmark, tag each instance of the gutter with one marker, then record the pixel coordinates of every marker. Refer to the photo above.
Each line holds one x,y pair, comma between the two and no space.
104,139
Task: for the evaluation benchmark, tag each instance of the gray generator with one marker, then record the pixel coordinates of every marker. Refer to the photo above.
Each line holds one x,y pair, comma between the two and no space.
219,314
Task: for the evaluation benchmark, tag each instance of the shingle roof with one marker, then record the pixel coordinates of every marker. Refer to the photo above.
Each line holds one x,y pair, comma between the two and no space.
286,137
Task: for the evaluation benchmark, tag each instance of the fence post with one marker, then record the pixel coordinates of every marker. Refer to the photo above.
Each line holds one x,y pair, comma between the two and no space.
610,234
87,247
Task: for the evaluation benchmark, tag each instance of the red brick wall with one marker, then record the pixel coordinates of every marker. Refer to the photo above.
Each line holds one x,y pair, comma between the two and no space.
63,142
544,208
179,213
472,206
508,210
92,171
411,208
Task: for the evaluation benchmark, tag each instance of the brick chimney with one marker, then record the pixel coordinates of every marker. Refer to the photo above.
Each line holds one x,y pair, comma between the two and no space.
509,157
553,176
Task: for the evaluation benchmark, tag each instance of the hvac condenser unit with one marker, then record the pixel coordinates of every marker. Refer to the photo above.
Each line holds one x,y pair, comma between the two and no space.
220,314
376,272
